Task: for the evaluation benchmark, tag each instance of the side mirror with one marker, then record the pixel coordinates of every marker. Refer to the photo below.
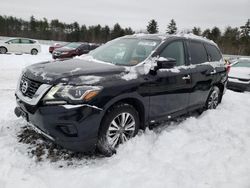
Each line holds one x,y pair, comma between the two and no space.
166,63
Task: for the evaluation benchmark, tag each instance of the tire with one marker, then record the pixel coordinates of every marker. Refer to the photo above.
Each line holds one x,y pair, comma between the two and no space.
34,52
113,132
213,98
3,50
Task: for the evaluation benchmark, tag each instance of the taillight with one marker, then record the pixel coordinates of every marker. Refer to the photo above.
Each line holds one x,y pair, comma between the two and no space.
227,64
228,67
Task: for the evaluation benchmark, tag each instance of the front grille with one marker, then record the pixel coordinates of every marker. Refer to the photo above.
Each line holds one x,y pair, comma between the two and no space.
31,88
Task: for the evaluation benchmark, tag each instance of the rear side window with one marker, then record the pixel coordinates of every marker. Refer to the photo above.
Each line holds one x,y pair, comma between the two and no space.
175,50
213,53
197,52
84,47
26,41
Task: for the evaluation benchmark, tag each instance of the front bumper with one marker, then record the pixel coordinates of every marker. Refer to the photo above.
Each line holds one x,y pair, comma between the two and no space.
72,127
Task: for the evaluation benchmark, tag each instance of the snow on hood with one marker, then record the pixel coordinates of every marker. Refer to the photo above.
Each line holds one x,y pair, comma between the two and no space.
240,72
51,72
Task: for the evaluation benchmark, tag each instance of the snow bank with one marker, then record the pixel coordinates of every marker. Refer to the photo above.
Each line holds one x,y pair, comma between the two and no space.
212,150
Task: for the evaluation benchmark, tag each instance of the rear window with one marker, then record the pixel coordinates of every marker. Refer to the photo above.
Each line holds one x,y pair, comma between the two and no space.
197,52
213,53
27,41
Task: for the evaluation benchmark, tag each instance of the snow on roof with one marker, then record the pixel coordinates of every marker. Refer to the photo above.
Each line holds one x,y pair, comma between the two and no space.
166,36
195,37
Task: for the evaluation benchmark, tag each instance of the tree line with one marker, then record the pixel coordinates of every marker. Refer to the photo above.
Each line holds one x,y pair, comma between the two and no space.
232,40
59,31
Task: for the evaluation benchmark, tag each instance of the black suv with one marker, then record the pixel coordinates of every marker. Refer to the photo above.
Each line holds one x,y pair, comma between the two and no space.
101,100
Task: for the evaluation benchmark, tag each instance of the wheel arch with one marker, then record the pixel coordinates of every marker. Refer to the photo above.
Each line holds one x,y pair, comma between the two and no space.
221,88
138,104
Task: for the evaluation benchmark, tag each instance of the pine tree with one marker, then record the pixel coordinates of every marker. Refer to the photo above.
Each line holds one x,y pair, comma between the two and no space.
152,27
172,29
245,30
207,33
196,31
117,31
215,34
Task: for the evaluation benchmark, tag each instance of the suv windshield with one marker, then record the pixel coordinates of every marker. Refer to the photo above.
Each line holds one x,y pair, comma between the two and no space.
125,51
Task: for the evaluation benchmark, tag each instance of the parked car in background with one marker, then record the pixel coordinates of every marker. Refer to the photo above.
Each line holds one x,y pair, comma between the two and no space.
55,46
102,99
239,75
73,49
20,45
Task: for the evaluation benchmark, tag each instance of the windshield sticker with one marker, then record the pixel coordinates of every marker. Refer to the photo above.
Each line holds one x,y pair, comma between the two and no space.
147,43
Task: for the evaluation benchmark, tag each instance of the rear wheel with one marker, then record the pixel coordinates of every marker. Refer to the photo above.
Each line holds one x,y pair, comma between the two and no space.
34,52
3,50
213,98
120,124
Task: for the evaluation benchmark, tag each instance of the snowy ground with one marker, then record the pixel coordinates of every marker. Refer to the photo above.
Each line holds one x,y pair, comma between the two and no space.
212,150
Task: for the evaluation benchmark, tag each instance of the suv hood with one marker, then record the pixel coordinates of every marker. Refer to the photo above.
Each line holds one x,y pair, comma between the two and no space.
239,72
64,71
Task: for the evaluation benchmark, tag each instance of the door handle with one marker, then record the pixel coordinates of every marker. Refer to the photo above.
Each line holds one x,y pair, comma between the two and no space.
186,77
213,72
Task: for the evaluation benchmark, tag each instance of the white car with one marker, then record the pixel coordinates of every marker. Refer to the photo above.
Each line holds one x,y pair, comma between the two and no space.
239,75
20,45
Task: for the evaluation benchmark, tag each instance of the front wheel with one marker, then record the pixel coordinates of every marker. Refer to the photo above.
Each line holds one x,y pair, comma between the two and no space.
213,98
3,50
120,124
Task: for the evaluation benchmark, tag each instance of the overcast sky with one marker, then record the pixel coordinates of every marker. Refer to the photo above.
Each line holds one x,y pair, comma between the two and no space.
134,13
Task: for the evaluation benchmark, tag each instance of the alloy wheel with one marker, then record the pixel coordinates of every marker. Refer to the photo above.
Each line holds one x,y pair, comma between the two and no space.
2,51
34,52
213,100
121,129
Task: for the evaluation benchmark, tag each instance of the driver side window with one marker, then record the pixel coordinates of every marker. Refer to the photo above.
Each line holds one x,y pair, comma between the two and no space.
175,50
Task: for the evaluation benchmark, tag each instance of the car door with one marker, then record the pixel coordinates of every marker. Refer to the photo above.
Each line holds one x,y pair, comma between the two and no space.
26,45
202,74
169,90
13,45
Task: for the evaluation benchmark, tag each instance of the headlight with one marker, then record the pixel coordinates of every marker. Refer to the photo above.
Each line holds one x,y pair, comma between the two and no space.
62,94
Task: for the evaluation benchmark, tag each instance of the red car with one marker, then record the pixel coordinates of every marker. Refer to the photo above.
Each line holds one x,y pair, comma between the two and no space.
73,49
55,46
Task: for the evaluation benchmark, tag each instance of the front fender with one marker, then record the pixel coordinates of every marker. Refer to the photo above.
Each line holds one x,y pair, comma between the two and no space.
144,102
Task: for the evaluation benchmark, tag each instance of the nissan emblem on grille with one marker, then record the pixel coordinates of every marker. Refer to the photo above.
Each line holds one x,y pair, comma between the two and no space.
24,86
